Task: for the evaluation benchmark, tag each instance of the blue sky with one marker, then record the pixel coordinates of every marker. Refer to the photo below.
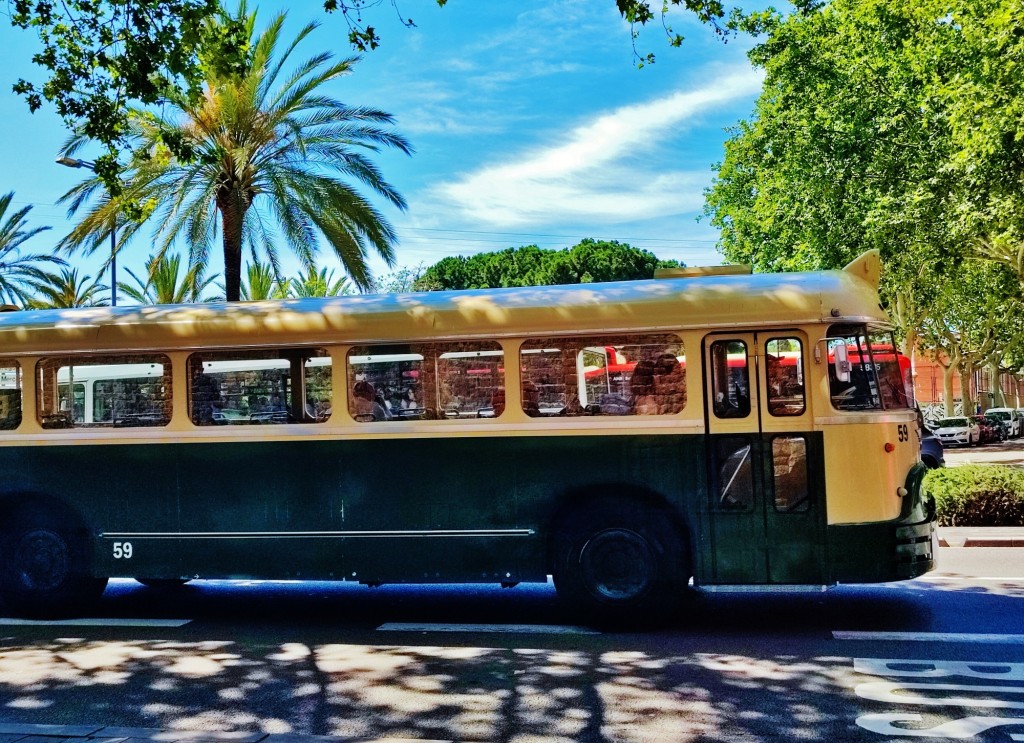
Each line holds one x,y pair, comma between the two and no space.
531,123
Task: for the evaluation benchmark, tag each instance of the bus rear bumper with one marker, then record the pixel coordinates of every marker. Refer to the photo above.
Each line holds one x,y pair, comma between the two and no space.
895,550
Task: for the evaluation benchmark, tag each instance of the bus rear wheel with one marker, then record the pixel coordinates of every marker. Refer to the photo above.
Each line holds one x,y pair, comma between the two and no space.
44,570
613,564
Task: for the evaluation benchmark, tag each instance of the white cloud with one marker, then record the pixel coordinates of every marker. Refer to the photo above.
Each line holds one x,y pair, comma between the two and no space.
608,170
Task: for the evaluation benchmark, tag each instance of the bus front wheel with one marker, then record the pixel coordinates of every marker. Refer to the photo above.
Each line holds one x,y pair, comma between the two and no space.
43,569
614,564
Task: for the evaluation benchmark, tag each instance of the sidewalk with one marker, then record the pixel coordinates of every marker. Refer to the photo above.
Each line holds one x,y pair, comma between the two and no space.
22,733
981,536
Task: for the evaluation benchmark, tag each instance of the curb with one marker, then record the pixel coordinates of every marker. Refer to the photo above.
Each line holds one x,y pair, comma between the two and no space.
29,733
981,542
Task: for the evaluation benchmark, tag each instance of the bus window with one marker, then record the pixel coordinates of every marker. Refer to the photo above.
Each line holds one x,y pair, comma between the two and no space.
784,371
104,391
470,380
259,387
448,380
10,395
733,486
613,375
878,371
730,379
789,469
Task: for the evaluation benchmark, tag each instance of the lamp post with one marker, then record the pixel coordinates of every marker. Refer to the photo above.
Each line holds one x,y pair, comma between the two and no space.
72,162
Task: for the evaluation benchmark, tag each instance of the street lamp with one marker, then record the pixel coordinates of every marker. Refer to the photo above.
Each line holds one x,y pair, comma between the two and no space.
72,162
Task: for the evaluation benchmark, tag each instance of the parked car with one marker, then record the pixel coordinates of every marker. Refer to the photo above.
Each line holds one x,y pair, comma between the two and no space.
1004,425
992,431
960,431
1010,416
931,452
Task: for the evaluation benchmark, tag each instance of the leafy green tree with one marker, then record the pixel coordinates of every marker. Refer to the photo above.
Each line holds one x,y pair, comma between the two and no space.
853,146
270,147
160,284
19,273
98,56
972,324
66,289
401,280
589,261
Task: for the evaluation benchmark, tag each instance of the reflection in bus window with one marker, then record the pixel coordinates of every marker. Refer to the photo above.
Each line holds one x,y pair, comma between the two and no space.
10,396
102,391
784,372
259,387
734,479
447,380
607,375
730,379
789,468
879,375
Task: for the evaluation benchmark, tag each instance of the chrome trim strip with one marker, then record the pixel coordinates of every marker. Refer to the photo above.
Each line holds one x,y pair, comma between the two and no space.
317,534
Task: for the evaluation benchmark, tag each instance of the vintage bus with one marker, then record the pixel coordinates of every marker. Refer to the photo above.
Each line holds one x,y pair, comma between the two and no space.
709,426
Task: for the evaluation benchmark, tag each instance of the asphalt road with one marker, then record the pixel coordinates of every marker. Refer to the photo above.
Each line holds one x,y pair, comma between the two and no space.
938,657
1009,452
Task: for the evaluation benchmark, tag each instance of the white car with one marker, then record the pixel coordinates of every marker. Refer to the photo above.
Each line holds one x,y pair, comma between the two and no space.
1010,417
960,431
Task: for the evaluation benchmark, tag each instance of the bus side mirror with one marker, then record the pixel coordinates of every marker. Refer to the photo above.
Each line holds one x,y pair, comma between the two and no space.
842,363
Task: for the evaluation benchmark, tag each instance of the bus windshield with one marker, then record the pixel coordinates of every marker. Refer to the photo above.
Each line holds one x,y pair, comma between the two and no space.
877,375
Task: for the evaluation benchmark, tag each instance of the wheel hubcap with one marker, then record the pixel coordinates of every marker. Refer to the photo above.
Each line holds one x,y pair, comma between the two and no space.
42,560
618,565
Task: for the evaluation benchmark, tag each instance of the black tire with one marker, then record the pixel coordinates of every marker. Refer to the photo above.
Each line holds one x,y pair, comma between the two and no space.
163,583
617,562
46,568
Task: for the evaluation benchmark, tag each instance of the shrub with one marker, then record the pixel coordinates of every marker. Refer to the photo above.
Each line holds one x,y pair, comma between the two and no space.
978,495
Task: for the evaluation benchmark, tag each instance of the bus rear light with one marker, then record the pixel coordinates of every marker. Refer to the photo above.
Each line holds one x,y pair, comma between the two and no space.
890,447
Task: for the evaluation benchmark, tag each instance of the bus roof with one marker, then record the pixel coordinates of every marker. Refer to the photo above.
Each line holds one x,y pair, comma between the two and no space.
718,301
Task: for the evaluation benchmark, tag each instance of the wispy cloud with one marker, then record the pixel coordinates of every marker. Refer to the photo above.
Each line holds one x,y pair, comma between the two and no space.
608,170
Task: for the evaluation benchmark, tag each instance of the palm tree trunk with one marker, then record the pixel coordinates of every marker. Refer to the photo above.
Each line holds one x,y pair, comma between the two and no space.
232,212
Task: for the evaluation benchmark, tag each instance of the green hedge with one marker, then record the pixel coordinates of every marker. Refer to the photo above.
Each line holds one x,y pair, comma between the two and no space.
978,495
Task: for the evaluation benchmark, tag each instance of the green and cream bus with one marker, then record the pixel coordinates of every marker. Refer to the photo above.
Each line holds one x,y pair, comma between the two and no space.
711,426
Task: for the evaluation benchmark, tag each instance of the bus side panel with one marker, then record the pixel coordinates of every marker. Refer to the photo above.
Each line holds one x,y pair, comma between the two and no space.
507,489
260,509
433,510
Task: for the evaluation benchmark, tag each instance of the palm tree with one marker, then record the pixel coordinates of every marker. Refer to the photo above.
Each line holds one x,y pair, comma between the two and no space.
270,148
263,283
320,283
19,273
160,285
65,289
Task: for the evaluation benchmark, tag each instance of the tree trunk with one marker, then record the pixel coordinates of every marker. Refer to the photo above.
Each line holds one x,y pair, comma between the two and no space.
998,399
965,390
947,389
232,213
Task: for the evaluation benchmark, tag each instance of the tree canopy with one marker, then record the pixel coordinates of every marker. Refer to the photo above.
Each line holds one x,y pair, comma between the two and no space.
892,126
589,261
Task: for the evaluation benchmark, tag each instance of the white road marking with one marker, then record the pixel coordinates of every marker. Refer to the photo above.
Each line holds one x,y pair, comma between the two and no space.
542,629
931,637
93,622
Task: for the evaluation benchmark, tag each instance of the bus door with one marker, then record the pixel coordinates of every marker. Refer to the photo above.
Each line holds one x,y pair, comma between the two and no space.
766,526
